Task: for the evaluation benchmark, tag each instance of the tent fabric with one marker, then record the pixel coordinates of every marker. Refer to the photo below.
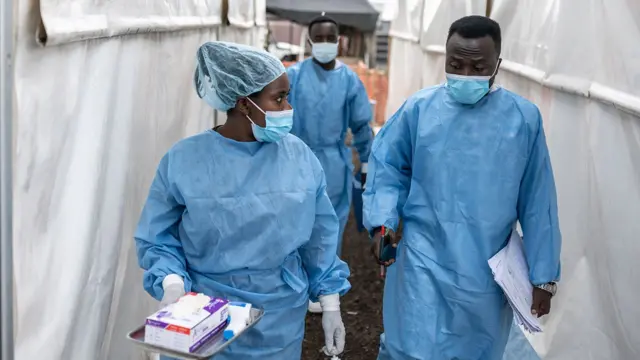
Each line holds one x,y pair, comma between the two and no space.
358,14
260,7
68,21
438,15
408,21
595,150
386,8
92,120
247,14
405,57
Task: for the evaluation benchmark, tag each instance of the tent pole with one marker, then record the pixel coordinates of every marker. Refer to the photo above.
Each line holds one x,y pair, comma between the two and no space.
6,205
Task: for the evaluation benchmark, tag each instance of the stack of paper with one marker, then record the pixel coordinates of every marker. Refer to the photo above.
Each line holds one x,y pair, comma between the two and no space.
511,272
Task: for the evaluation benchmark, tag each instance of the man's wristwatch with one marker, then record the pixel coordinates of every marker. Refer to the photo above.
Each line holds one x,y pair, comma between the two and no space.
549,287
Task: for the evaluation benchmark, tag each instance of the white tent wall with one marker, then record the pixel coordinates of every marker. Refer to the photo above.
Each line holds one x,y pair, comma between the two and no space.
566,57
92,120
405,62
408,21
248,19
66,21
405,55
386,8
574,61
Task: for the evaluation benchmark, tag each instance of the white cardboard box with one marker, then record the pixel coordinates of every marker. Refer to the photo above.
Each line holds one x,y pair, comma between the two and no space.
189,332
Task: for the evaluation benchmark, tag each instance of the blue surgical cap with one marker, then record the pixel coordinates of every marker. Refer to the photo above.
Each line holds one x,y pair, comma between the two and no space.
226,72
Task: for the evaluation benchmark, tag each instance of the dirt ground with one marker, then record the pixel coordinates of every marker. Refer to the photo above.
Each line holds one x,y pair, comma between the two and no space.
361,307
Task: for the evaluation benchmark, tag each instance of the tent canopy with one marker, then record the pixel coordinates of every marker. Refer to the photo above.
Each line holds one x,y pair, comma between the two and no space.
358,14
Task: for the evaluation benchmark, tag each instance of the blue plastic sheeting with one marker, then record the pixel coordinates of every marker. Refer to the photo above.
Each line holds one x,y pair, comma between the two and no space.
518,347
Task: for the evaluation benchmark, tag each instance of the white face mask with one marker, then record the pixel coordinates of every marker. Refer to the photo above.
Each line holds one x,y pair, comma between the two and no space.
324,52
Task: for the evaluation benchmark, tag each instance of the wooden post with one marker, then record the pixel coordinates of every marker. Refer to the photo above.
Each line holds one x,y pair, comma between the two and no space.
372,50
225,13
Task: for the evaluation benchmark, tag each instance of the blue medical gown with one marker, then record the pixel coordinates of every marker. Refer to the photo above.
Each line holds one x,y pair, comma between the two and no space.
326,103
460,176
518,347
247,221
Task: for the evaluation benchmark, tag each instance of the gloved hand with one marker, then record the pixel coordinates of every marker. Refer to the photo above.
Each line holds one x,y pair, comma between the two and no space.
173,286
334,332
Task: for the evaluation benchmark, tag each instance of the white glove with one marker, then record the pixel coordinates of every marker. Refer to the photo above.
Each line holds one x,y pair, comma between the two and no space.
173,286
334,333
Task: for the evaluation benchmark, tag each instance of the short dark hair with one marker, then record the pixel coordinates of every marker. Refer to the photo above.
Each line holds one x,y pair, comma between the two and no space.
476,26
322,19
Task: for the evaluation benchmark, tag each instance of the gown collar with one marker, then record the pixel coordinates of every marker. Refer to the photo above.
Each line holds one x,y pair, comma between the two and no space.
249,148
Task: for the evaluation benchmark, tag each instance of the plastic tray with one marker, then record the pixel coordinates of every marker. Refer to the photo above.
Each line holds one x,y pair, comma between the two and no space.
212,348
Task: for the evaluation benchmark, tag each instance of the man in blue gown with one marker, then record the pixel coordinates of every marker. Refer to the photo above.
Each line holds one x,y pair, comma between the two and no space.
329,98
461,163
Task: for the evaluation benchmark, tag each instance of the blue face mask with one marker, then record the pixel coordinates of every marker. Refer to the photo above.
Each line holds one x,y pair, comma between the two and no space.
278,125
324,52
468,89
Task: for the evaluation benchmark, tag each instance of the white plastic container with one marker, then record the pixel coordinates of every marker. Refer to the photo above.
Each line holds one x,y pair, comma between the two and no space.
239,317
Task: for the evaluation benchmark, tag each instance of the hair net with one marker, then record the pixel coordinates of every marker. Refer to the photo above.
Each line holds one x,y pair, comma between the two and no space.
226,72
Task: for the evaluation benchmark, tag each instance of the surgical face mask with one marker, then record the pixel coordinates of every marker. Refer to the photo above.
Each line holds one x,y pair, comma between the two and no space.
277,125
324,52
468,89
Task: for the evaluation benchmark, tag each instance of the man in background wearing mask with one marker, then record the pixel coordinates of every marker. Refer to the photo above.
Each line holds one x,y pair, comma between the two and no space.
460,163
329,98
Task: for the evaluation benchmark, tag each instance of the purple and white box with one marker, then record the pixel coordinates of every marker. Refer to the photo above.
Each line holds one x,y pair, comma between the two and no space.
186,332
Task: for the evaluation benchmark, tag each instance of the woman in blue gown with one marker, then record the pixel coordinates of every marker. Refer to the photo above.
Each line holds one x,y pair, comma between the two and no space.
241,211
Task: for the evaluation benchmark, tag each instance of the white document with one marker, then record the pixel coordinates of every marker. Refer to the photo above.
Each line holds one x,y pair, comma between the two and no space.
511,272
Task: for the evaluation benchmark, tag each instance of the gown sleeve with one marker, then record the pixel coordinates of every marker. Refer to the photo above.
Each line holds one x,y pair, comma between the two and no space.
538,212
389,175
327,273
158,244
360,116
